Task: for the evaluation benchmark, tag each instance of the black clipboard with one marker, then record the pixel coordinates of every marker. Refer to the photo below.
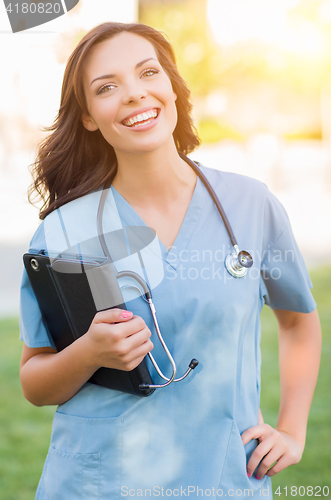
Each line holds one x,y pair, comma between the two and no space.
67,307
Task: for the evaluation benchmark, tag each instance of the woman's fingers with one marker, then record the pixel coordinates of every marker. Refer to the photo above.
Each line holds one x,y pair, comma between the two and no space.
279,465
126,328
132,350
119,339
114,315
134,345
276,450
267,441
268,460
255,432
135,357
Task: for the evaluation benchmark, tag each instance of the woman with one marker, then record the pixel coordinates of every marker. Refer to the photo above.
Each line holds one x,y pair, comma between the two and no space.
124,119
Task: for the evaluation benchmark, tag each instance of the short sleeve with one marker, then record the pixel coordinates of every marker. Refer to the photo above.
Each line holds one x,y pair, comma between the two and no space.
32,329
285,282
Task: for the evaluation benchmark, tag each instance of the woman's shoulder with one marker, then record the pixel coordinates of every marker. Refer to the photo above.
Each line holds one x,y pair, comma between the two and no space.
250,194
76,214
37,241
239,184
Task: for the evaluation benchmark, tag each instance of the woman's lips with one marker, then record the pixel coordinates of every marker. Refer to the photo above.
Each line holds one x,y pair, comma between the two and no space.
141,119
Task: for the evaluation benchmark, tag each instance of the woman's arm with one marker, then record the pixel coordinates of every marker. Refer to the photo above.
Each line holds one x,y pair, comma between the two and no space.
115,339
299,357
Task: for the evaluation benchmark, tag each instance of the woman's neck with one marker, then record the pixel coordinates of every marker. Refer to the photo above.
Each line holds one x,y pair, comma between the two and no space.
155,179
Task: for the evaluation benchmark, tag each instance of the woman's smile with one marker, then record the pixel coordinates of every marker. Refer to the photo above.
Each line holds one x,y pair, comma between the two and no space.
140,119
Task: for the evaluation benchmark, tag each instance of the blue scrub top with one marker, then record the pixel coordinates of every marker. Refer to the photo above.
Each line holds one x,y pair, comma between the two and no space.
183,440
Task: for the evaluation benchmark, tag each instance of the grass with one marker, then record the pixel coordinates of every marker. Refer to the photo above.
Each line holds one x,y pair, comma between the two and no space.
315,467
25,430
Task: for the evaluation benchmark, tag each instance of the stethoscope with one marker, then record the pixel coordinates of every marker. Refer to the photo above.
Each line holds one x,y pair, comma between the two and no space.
236,263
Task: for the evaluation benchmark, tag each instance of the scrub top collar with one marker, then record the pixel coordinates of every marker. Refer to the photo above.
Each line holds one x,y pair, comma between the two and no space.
188,226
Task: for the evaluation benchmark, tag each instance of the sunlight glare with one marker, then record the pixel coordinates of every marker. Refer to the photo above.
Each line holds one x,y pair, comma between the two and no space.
240,20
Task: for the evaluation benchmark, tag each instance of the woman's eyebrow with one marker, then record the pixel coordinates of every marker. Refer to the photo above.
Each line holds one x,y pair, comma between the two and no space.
113,75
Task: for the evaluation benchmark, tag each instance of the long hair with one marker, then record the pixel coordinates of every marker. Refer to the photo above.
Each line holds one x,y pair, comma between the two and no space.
73,161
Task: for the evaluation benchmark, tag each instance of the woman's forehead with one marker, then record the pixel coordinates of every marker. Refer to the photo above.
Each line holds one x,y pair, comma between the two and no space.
117,53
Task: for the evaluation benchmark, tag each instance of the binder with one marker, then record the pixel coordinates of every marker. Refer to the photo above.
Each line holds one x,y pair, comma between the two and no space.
63,292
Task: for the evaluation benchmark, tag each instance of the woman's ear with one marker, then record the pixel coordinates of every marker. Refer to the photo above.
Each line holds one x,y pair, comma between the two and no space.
89,123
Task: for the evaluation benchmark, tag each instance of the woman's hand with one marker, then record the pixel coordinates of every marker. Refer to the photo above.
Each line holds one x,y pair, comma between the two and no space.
299,354
276,450
115,339
118,339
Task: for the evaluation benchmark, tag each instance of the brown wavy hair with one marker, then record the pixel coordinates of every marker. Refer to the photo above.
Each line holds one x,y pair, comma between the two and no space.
72,161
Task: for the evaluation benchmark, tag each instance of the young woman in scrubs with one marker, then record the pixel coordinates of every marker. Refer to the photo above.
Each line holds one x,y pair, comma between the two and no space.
123,119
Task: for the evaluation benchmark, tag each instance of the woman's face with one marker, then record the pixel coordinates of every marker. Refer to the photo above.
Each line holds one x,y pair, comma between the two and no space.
129,96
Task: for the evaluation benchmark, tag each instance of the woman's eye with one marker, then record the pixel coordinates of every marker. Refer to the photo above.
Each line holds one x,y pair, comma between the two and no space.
150,72
109,86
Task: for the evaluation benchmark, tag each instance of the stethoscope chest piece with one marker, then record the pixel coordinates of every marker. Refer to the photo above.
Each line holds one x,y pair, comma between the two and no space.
237,263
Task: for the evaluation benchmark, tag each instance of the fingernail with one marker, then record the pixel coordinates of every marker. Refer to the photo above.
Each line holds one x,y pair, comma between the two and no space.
126,314
257,477
248,474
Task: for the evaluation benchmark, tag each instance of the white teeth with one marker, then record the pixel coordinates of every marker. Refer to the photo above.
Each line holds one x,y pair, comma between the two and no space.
141,118
142,123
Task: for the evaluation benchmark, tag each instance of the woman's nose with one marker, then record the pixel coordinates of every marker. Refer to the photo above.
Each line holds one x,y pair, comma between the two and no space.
133,92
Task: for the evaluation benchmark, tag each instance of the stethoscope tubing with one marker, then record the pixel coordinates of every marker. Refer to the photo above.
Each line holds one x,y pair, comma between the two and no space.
235,263
147,295
213,195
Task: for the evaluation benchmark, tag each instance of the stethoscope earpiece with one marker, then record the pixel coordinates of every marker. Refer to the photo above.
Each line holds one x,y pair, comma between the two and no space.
237,263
